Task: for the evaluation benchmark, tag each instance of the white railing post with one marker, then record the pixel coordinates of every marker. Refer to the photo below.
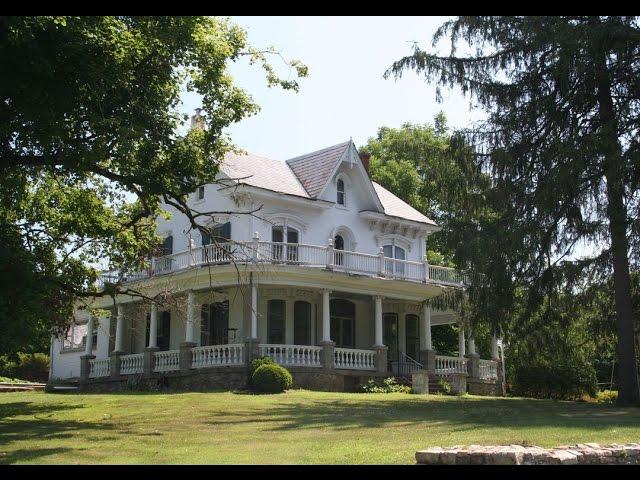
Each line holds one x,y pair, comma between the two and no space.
381,262
330,254
425,262
191,247
256,245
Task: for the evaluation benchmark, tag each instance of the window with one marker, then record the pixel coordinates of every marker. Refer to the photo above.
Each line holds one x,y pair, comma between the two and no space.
278,234
167,245
338,244
302,323
200,193
341,193
398,253
75,337
220,233
343,320
275,321
412,332
214,325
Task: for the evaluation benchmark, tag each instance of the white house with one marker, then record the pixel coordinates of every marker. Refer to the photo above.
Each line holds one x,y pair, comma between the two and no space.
310,263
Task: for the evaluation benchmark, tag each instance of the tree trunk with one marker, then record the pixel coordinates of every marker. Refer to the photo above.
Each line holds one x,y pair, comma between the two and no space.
628,387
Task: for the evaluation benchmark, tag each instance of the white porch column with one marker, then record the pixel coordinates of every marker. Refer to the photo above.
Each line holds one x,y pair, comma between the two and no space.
189,333
153,326
326,316
254,311
425,328
89,346
494,347
378,320
119,329
461,349
472,344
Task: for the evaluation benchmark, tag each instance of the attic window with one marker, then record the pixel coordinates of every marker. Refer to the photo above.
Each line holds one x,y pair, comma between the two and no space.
341,194
200,193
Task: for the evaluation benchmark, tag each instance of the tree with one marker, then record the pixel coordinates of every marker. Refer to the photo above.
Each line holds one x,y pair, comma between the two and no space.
562,98
90,148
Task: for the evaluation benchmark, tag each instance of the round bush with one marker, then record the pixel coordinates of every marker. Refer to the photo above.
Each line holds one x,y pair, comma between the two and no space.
255,363
271,378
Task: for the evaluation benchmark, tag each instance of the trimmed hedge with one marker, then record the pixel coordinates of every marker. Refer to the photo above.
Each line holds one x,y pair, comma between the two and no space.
255,364
271,378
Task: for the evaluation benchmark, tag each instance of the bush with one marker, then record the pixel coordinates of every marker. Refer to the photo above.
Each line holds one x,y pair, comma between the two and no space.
271,378
444,384
607,396
388,385
255,364
29,366
569,380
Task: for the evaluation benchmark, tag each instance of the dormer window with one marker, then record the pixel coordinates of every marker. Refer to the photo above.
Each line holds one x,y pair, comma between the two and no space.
341,193
200,193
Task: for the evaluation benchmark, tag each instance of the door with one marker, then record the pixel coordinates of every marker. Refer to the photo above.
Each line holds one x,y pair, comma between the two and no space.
412,345
390,335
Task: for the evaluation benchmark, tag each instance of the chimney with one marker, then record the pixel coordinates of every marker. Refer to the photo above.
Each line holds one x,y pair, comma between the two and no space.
197,120
364,158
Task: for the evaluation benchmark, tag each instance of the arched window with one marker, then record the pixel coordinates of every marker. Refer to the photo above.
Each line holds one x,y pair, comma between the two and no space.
395,252
275,321
302,323
341,193
287,252
338,245
343,322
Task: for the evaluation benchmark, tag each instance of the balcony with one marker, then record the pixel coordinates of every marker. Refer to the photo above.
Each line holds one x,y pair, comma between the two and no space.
308,256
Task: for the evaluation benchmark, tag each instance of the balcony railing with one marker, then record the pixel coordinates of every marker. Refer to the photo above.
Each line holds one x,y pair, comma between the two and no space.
295,254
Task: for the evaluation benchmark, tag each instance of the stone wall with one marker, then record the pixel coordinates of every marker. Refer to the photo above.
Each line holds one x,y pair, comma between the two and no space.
483,387
580,454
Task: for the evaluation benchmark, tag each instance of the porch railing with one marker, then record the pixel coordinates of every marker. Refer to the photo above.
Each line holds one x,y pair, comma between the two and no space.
353,359
294,254
292,355
99,367
217,355
488,369
167,361
447,365
405,365
130,364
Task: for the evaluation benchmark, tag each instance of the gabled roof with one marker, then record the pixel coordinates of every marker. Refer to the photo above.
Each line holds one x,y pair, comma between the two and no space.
314,169
396,207
262,172
306,176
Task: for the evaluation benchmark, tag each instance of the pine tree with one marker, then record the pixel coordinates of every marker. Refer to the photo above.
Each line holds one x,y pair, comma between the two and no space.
562,97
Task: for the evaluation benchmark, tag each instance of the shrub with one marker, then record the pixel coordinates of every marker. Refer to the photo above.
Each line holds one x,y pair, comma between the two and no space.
271,378
568,380
255,364
388,385
444,384
29,366
607,396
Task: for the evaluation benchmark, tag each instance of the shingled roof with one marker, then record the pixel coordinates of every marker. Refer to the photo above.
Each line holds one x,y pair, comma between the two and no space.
313,169
305,176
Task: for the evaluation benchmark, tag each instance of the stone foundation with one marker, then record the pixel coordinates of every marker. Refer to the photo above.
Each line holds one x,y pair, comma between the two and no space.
484,387
224,378
580,454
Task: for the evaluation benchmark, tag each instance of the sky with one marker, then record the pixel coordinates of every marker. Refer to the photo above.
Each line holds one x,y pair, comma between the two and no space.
344,95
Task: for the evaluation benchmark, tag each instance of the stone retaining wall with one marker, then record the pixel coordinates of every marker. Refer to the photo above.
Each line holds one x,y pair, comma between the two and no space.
582,453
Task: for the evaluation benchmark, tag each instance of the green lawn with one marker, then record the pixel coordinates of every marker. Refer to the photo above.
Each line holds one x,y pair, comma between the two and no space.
295,427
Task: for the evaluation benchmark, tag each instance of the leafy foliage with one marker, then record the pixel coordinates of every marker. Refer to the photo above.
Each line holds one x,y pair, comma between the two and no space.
560,143
256,363
269,378
387,385
91,149
28,366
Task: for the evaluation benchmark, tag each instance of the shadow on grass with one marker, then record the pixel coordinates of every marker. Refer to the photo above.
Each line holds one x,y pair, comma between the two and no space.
26,455
461,414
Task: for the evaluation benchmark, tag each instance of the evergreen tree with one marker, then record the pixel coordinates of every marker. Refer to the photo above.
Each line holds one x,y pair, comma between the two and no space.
562,97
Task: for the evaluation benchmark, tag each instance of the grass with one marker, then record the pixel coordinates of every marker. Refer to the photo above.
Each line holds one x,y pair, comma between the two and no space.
12,380
292,428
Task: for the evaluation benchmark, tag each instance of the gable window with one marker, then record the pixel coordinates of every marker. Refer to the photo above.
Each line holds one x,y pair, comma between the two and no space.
288,250
341,193
200,193
214,325
275,321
